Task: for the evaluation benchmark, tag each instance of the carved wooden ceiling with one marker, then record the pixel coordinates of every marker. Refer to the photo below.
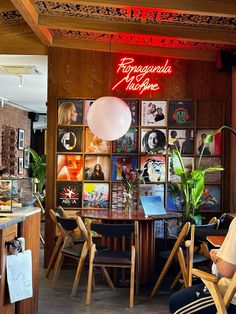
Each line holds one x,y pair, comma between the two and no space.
183,28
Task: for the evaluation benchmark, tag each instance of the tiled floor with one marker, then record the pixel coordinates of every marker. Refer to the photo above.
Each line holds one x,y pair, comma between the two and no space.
57,300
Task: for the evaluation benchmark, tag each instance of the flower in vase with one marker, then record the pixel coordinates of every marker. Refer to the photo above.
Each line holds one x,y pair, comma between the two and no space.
130,178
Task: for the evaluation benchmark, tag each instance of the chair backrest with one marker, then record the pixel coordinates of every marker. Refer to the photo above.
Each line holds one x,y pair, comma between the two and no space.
113,230
212,224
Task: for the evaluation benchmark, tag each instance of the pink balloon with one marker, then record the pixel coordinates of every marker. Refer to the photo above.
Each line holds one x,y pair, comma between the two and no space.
109,118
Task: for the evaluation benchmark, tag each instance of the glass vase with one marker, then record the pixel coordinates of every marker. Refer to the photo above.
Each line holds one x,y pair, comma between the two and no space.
129,202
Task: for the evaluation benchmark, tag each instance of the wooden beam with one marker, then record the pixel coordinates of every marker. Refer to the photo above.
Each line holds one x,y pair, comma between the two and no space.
25,44
180,32
30,15
12,29
134,49
6,5
201,7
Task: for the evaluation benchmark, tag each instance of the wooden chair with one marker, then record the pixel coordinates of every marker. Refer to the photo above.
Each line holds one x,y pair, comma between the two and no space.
197,252
211,283
39,203
176,251
111,258
68,248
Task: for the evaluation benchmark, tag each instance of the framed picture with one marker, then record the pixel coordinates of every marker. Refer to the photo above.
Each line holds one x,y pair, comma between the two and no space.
128,143
207,162
70,111
153,140
87,105
120,161
154,113
134,109
69,167
69,194
96,167
20,165
210,149
96,195
69,139
26,158
182,139
21,138
181,113
153,168
94,144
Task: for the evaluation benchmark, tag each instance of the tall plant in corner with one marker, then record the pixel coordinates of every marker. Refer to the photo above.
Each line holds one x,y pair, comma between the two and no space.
38,168
191,185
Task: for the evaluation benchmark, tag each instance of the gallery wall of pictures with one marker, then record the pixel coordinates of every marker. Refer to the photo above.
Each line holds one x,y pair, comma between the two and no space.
88,169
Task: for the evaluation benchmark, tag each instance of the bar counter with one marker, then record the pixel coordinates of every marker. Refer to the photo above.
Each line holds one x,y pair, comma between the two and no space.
23,223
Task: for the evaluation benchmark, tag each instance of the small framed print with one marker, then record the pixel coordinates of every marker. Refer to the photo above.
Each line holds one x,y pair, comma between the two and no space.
26,158
21,139
20,165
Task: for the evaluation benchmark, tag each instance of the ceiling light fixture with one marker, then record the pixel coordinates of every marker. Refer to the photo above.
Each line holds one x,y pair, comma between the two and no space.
21,81
118,114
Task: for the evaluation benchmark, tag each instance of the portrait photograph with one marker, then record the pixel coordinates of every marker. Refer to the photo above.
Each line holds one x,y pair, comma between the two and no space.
153,113
153,140
70,111
153,168
181,113
69,139
118,162
87,105
94,144
96,195
69,194
182,139
97,167
210,149
69,167
128,143
21,139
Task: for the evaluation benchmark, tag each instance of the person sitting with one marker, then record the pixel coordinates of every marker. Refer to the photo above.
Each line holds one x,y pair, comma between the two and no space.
197,299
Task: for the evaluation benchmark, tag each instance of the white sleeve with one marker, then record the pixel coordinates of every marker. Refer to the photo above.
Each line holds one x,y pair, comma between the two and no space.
228,249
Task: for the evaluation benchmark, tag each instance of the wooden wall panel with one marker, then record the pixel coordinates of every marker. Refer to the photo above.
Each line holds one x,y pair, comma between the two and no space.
89,74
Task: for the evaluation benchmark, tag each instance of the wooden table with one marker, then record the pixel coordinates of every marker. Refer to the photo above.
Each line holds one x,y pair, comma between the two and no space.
216,240
146,235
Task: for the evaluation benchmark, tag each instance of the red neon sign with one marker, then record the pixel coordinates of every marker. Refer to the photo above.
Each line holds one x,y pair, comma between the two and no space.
136,76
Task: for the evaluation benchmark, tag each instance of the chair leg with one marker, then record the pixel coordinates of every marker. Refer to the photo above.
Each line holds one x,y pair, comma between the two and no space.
90,275
107,278
54,254
79,269
132,273
57,267
175,280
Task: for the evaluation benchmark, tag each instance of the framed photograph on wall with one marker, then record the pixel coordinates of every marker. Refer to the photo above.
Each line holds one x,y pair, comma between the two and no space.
20,165
21,139
26,158
70,111
181,113
69,194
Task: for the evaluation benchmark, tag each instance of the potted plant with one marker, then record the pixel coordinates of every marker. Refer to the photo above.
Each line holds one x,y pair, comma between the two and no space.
191,186
38,168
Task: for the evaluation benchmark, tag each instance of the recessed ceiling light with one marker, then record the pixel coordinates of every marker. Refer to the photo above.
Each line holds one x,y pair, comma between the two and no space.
19,70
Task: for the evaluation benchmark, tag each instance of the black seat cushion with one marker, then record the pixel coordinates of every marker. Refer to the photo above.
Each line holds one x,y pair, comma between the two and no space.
112,257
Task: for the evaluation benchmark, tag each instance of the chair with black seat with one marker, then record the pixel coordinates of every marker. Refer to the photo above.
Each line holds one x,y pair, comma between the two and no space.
114,258
201,254
68,248
177,251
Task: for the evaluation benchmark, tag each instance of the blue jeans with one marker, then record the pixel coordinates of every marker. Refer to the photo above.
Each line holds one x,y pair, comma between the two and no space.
195,299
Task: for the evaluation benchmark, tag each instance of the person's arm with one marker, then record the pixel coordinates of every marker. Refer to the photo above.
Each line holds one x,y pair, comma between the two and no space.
225,257
226,269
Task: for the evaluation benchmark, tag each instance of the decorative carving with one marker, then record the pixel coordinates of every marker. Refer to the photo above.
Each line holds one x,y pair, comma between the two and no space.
11,17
